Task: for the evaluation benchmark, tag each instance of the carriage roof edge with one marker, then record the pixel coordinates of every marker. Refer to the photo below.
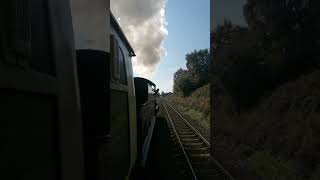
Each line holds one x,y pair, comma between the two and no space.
123,37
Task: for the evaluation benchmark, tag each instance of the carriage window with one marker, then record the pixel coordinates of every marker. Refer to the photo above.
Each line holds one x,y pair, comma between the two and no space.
150,89
17,37
26,20
123,73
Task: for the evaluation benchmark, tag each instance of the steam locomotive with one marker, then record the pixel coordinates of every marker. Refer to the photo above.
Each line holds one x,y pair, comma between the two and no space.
70,105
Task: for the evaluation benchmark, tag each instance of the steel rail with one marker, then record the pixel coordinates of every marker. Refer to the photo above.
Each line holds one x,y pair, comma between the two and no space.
197,132
180,143
207,142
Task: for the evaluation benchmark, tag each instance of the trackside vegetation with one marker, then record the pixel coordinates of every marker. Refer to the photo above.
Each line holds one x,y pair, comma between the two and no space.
264,88
265,91
191,90
196,108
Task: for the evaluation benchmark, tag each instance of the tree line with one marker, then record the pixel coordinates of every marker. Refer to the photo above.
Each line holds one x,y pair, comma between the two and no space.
196,75
280,43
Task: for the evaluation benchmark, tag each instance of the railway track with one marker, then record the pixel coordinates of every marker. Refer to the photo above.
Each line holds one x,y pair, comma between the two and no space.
192,149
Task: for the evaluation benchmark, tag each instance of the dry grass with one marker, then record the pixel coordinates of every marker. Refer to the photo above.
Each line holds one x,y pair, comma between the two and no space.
196,106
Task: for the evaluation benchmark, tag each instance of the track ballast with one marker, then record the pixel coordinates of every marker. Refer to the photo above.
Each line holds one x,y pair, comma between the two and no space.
192,149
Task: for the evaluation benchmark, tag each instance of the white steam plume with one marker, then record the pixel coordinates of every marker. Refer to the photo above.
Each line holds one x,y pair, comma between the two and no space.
144,24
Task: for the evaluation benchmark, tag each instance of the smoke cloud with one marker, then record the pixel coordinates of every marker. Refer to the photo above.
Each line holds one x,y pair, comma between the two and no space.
143,22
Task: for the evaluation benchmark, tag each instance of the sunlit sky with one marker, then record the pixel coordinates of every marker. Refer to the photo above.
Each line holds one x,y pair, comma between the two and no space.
188,30
161,33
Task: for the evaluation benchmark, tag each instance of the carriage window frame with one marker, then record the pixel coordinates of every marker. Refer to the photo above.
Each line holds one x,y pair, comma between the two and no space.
16,40
116,85
150,89
123,68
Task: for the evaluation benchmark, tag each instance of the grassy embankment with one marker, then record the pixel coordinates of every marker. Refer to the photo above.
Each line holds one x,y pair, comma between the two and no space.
195,107
279,138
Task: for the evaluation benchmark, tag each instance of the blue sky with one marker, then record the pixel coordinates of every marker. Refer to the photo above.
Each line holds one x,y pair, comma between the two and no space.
188,30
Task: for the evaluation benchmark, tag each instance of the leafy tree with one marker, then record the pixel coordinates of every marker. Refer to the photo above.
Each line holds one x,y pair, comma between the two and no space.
198,66
196,74
178,73
238,64
293,25
183,84
280,43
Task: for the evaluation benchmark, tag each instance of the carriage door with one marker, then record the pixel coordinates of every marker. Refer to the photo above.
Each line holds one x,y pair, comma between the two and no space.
119,109
37,93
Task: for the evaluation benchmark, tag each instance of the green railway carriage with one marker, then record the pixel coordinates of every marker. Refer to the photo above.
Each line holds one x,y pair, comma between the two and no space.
70,105
117,123
133,107
123,121
40,122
